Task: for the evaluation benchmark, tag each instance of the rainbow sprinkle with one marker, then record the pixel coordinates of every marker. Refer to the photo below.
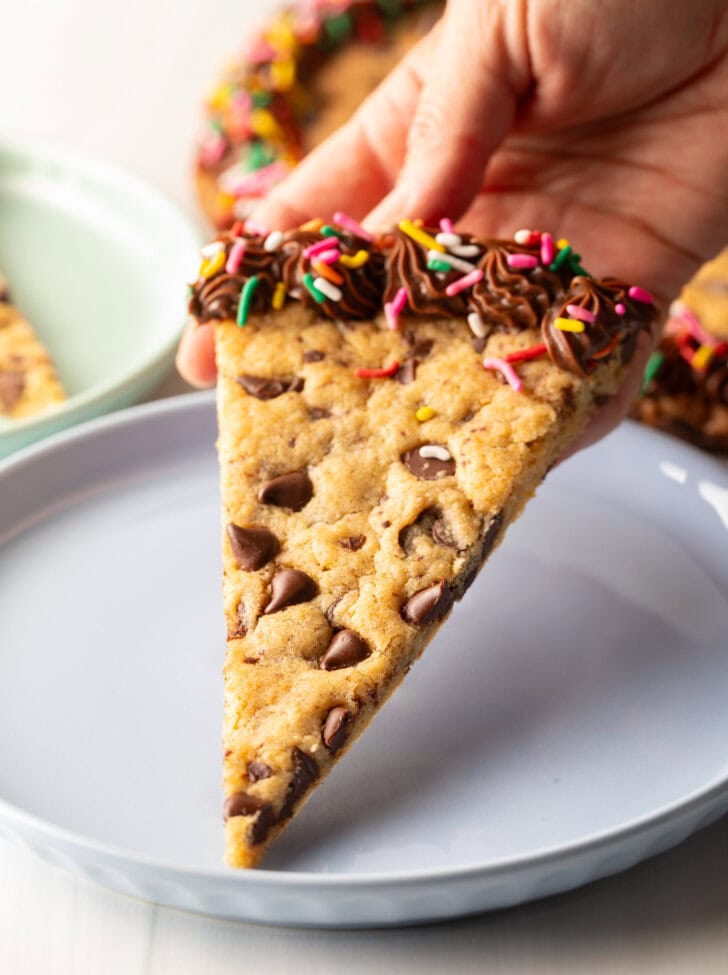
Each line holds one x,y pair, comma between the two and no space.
425,413
416,233
353,226
463,283
569,325
246,297
506,369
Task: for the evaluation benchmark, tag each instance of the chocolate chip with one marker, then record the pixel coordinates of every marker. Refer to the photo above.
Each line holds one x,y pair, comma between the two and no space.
317,413
442,535
253,546
407,372
12,385
289,587
438,462
292,491
242,804
488,540
479,343
262,388
305,772
346,649
336,728
313,355
353,542
428,605
423,348
331,610
259,770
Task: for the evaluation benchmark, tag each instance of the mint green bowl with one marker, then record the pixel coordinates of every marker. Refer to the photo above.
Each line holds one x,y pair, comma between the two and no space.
97,261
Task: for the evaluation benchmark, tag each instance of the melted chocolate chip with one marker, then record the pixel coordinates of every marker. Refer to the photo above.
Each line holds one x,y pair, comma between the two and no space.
336,728
317,413
289,587
313,355
442,535
12,385
479,343
407,372
428,605
346,649
422,348
353,542
253,546
422,525
242,804
292,491
264,388
489,538
331,610
259,770
305,772
428,468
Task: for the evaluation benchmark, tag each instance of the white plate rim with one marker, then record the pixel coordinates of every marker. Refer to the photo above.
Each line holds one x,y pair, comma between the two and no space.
112,174
710,800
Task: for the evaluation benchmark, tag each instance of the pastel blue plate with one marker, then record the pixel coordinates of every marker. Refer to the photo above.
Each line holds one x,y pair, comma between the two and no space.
97,261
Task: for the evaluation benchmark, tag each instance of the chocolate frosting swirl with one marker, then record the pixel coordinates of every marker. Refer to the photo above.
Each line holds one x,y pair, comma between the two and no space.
361,288
511,299
407,268
581,352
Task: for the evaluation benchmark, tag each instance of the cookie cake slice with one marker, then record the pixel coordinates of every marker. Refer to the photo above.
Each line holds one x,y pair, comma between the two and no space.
386,407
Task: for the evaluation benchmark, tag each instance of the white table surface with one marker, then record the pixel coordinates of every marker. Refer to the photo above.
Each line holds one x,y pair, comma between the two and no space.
124,81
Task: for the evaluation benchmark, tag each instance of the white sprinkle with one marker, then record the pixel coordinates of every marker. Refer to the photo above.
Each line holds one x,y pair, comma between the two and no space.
211,250
273,241
467,250
432,451
477,325
328,289
450,259
229,178
296,293
522,236
449,240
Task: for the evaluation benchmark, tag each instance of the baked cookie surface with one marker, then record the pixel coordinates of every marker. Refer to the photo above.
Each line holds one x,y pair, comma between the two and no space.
28,380
386,408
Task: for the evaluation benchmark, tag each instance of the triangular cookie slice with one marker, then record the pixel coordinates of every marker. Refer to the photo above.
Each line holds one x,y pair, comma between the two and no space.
385,411
28,381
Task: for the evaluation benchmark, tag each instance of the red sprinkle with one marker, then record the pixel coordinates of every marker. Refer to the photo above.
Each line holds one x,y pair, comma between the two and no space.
237,229
377,373
533,352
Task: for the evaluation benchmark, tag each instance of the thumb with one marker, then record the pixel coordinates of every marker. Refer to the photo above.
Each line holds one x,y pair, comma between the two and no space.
466,108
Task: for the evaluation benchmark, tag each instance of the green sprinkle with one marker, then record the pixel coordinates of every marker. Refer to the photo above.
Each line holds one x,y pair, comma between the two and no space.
259,155
651,370
246,296
261,99
435,265
328,231
560,258
216,126
318,296
337,28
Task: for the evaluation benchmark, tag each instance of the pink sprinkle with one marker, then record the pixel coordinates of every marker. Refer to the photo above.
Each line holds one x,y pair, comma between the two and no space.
235,257
257,229
260,52
349,223
400,300
212,151
527,237
260,181
465,282
509,373
619,308
328,257
547,250
639,294
691,322
522,260
321,245
391,316
446,226
583,314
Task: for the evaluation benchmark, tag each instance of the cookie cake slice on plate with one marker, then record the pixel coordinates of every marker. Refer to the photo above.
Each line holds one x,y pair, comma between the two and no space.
386,408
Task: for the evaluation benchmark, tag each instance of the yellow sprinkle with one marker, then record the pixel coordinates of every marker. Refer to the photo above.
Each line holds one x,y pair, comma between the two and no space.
407,227
562,243
313,225
702,357
283,74
569,325
354,260
425,413
264,125
280,33
279,296
213,265
220,98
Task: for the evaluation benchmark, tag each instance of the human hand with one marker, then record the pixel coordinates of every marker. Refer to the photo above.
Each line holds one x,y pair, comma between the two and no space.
602,122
